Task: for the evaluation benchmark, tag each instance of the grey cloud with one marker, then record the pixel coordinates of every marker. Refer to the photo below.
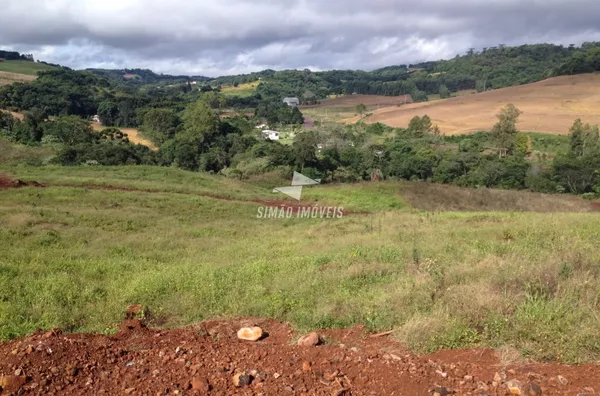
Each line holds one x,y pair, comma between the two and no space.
216,37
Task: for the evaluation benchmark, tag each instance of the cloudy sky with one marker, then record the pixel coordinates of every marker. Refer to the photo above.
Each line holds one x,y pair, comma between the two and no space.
219,37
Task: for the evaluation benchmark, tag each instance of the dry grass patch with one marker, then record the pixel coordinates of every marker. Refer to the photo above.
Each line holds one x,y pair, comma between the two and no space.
441,197
7,78
548,106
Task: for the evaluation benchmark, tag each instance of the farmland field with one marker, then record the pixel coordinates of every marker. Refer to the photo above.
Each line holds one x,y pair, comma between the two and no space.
242,90
343,107
24,67
7,78
473,273
549,106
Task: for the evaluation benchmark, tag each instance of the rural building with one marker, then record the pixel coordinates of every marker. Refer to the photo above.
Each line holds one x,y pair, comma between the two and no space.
96,118
270,135
261,126
294,102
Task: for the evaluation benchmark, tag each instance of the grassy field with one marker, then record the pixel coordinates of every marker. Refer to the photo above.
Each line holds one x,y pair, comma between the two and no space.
24,67
549,106
242,90
342,107
74,258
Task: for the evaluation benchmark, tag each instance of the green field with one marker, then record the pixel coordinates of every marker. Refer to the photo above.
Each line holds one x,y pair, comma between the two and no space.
24,67
75,257
243,90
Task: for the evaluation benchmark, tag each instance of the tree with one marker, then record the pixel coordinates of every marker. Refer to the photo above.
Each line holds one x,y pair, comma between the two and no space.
108,112
523,144
419,126
305,148
444,92
361,109
160,125
200,124
70,130
505,130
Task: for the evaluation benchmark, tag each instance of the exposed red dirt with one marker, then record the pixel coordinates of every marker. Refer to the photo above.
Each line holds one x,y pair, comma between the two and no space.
6,182
207,358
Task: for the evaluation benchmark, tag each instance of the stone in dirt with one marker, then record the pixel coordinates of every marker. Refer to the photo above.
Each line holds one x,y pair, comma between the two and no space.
200,384
250,333
12,383
533,389
311,339
242,379
514,387
562,380
441,391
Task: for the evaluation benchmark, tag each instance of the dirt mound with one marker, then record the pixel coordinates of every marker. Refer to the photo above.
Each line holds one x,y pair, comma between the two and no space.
7,182
208,358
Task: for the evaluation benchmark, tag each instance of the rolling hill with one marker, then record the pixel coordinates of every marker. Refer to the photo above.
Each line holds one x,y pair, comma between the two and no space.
548,106
12,71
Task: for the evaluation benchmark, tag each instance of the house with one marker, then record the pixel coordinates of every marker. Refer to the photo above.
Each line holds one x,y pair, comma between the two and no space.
261,126
270,135
96,118
294,102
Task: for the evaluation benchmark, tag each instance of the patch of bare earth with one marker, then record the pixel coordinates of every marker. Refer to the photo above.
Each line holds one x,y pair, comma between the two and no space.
133,135
548,106
208,358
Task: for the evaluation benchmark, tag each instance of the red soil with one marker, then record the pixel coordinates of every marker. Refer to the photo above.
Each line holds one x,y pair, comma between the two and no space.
205,358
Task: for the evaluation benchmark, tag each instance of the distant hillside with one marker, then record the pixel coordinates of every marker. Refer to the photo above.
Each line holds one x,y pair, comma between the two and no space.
143,77
548,106
29,68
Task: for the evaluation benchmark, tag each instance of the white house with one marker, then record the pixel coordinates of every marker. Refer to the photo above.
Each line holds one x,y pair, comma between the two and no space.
294,102
96,118
270,135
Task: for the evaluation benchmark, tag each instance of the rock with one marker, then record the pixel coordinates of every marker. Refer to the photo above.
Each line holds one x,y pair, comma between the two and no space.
19,372
52,333
200,384
306,367
440,391
129,391
587,392
562,380
533,389
12,383
29,349
276,375
514,387
250,333
497,378
242,379
311,339
468,378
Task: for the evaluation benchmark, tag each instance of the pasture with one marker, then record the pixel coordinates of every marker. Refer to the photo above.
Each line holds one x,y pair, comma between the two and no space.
448,277
24,67
342,107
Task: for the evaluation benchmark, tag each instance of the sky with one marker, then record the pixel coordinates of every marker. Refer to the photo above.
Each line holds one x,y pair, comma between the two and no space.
223,37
